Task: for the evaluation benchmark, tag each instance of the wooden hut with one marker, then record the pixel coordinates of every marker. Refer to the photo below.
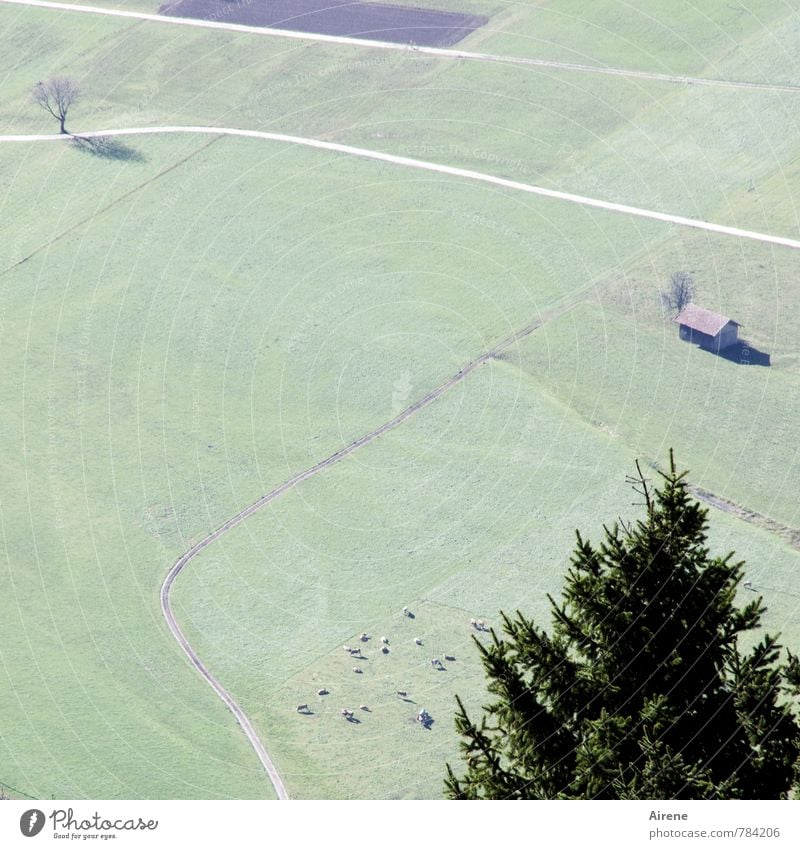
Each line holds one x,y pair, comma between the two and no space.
707,329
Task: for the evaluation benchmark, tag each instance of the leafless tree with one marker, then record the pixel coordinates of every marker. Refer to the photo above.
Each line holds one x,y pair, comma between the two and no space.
680,292
56,95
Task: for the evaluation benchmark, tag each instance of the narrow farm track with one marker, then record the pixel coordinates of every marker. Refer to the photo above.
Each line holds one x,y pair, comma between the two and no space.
444,52
227,698
423,165
186,557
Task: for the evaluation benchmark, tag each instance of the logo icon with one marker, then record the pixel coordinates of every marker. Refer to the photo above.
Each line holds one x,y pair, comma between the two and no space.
31,822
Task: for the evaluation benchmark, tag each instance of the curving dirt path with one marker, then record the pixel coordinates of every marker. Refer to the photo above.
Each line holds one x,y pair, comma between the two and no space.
421,164
227,698
446,52
184,559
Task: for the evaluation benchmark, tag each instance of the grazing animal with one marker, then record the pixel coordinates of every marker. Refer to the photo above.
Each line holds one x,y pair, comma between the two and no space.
357,670
436,662
322,692
364,707
405,611
364,638
346,713
402,693
385,640
385,649
355,651
449,657
302,709
418,641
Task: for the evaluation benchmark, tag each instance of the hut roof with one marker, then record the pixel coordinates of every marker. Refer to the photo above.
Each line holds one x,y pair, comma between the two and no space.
703,320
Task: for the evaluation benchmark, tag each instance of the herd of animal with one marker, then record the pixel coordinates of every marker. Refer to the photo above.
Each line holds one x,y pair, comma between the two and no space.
423,717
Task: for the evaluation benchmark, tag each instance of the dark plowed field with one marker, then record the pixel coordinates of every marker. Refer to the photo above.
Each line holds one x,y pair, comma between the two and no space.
402,24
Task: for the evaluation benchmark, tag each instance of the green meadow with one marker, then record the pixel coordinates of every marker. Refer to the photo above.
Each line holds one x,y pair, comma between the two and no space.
171,359
186,326
467,509
689,150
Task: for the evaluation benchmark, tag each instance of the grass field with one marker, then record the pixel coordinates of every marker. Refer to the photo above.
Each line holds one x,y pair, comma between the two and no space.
184,330
467,509
161,375
632,141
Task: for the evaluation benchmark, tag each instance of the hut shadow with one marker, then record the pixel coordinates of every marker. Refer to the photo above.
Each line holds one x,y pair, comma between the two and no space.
108,148
744,354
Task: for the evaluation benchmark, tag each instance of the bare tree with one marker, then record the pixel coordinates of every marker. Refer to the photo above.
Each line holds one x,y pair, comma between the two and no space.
680,292
56,95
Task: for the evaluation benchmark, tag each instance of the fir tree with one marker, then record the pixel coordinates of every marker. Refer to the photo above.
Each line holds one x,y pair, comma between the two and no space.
643,689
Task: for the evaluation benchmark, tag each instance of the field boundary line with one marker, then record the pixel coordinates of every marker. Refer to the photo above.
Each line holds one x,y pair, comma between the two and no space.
15,790
790,535
109,205
187,556
424,165
446,52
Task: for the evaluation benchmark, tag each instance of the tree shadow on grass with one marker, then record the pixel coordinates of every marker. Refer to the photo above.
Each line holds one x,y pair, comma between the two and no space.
108,148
